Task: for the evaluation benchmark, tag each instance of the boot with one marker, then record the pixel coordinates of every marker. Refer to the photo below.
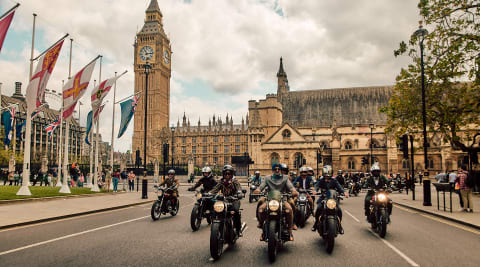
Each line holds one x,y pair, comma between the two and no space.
314,227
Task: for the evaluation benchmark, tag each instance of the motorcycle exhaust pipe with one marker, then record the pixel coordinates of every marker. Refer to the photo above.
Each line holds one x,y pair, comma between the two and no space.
244,227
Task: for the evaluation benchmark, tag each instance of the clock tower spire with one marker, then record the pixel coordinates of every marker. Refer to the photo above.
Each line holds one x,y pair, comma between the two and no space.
152,46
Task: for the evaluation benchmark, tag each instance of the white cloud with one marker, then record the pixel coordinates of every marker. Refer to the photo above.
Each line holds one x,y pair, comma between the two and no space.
232,46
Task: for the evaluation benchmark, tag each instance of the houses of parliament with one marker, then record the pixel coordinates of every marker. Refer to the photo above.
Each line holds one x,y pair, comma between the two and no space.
341,125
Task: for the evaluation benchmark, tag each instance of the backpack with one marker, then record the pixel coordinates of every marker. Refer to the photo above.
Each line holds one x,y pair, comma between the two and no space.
470,181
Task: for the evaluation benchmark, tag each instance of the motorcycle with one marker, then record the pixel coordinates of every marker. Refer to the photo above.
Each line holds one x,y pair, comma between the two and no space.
379,217
354,188
397,185
201,209
163,204
275,231
223,230
329,225
252,196
303,207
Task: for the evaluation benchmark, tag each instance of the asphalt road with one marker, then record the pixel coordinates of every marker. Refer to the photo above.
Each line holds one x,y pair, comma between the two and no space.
129,237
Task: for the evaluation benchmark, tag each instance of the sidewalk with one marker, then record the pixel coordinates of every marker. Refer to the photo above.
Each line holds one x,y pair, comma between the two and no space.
40,211
470,219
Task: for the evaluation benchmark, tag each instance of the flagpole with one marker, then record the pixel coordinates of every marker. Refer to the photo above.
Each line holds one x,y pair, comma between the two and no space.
65,187
91,176
95,186
61,39
9,11
113,118
60,145
33,45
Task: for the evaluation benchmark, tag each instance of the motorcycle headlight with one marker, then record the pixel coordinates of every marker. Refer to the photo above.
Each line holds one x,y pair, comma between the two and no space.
199,195
303,198
160,192
273,205
219,206
252,187
382,197
331,204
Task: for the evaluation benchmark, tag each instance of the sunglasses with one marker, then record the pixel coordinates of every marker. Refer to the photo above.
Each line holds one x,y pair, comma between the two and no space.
276,169
228,173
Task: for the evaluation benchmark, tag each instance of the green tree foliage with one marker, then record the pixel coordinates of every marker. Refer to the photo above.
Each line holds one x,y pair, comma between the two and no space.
452,75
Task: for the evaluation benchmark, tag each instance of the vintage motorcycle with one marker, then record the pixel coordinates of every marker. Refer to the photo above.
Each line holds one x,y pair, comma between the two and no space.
165,203
275,231
223,230
379,217
329,224
397,185
201,209
302,207
354,188
253,187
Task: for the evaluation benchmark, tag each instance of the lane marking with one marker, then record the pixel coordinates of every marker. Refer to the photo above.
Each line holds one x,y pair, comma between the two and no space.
352,216
405,257
444,221
69,236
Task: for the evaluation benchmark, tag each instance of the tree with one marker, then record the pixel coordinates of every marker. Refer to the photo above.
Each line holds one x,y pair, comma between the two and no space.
452,76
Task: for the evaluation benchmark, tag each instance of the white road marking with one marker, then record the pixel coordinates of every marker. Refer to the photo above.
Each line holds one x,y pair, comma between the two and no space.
357,220
69,236
405,257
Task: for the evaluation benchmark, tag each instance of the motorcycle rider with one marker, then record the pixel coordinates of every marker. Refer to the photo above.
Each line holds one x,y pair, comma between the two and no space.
325,183
231,187
340,178
278,182
207,181
171,181
304,181
375,182
257,179
311,172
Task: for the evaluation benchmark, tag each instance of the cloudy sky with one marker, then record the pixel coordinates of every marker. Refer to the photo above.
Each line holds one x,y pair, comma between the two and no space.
225,52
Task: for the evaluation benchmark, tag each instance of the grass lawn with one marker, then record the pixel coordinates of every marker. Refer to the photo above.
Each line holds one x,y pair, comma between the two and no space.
9,192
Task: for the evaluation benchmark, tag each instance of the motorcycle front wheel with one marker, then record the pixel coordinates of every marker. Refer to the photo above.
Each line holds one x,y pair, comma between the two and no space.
175,209
195,218
301,216
216,241
272,241
382,227
331,232
155,212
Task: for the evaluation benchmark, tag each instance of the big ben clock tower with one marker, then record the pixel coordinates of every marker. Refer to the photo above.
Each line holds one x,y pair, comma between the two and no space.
153,46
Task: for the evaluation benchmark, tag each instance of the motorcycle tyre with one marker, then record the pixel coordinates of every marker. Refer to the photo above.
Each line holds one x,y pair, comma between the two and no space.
272,241
301,217
382,227
330,236
176,208
155,211
216,243
195,218
250,199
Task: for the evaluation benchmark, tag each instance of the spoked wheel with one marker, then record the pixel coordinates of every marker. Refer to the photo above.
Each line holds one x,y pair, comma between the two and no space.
216,241
195,218
272,241
175,209
155,212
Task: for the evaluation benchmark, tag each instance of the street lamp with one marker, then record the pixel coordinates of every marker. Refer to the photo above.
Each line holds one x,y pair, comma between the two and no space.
421,33
147,68
371,125
173,142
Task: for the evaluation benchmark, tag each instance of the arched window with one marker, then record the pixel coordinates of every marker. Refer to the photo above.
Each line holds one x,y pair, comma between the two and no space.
405,164
374,144
299,160
274,158
351,164
348,145
286,134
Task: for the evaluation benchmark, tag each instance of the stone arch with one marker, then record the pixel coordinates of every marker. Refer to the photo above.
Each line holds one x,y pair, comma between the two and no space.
286,134
351,164
348,145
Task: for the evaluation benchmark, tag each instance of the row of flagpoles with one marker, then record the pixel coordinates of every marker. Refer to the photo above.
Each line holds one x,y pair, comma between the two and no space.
72,92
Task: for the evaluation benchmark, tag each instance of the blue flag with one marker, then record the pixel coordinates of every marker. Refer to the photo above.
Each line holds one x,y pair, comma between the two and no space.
128,109
89,126
7,123
19,129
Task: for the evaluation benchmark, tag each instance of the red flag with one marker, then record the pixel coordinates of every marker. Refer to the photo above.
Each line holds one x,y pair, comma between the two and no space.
4,25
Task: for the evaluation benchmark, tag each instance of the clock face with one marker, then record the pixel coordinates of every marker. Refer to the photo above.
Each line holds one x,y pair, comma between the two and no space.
166,57
146,53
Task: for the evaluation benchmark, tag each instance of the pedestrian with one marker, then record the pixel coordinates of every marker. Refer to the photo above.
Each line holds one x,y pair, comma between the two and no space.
81,180
55,177
4,177
420,177
124,177
17,178
452,177
108,179
465,191
116,178
50,179
35,177
131,181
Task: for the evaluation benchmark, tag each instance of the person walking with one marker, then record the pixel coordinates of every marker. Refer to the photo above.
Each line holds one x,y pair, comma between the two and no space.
17,178
124,176
452,177
116,178
131,181
108,179
465,190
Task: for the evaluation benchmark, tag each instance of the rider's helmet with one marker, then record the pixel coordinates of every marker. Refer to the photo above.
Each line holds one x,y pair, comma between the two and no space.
340,172
310,170
303,170
276,165
171,171
284,168
327,171
228,178
257,172
375,169
206,169
228,168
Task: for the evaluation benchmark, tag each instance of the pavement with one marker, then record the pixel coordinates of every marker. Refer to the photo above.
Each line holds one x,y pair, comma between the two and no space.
465,218
129,237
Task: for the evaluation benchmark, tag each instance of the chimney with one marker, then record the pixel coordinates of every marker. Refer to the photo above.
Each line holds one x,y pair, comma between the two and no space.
18,90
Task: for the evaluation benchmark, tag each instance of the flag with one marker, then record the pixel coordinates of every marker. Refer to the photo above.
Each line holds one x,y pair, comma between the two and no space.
74,89
7,123
52,126
5,24
128,109
101,90
38,82
89,126
97,113
19,130
35,113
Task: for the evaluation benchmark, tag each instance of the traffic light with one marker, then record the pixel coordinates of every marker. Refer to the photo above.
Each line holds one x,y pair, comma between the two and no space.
404,145
319,157
364,161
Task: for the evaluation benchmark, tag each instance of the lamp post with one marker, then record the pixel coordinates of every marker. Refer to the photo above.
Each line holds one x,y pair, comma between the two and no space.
421,33
371,125
147,68
173,142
